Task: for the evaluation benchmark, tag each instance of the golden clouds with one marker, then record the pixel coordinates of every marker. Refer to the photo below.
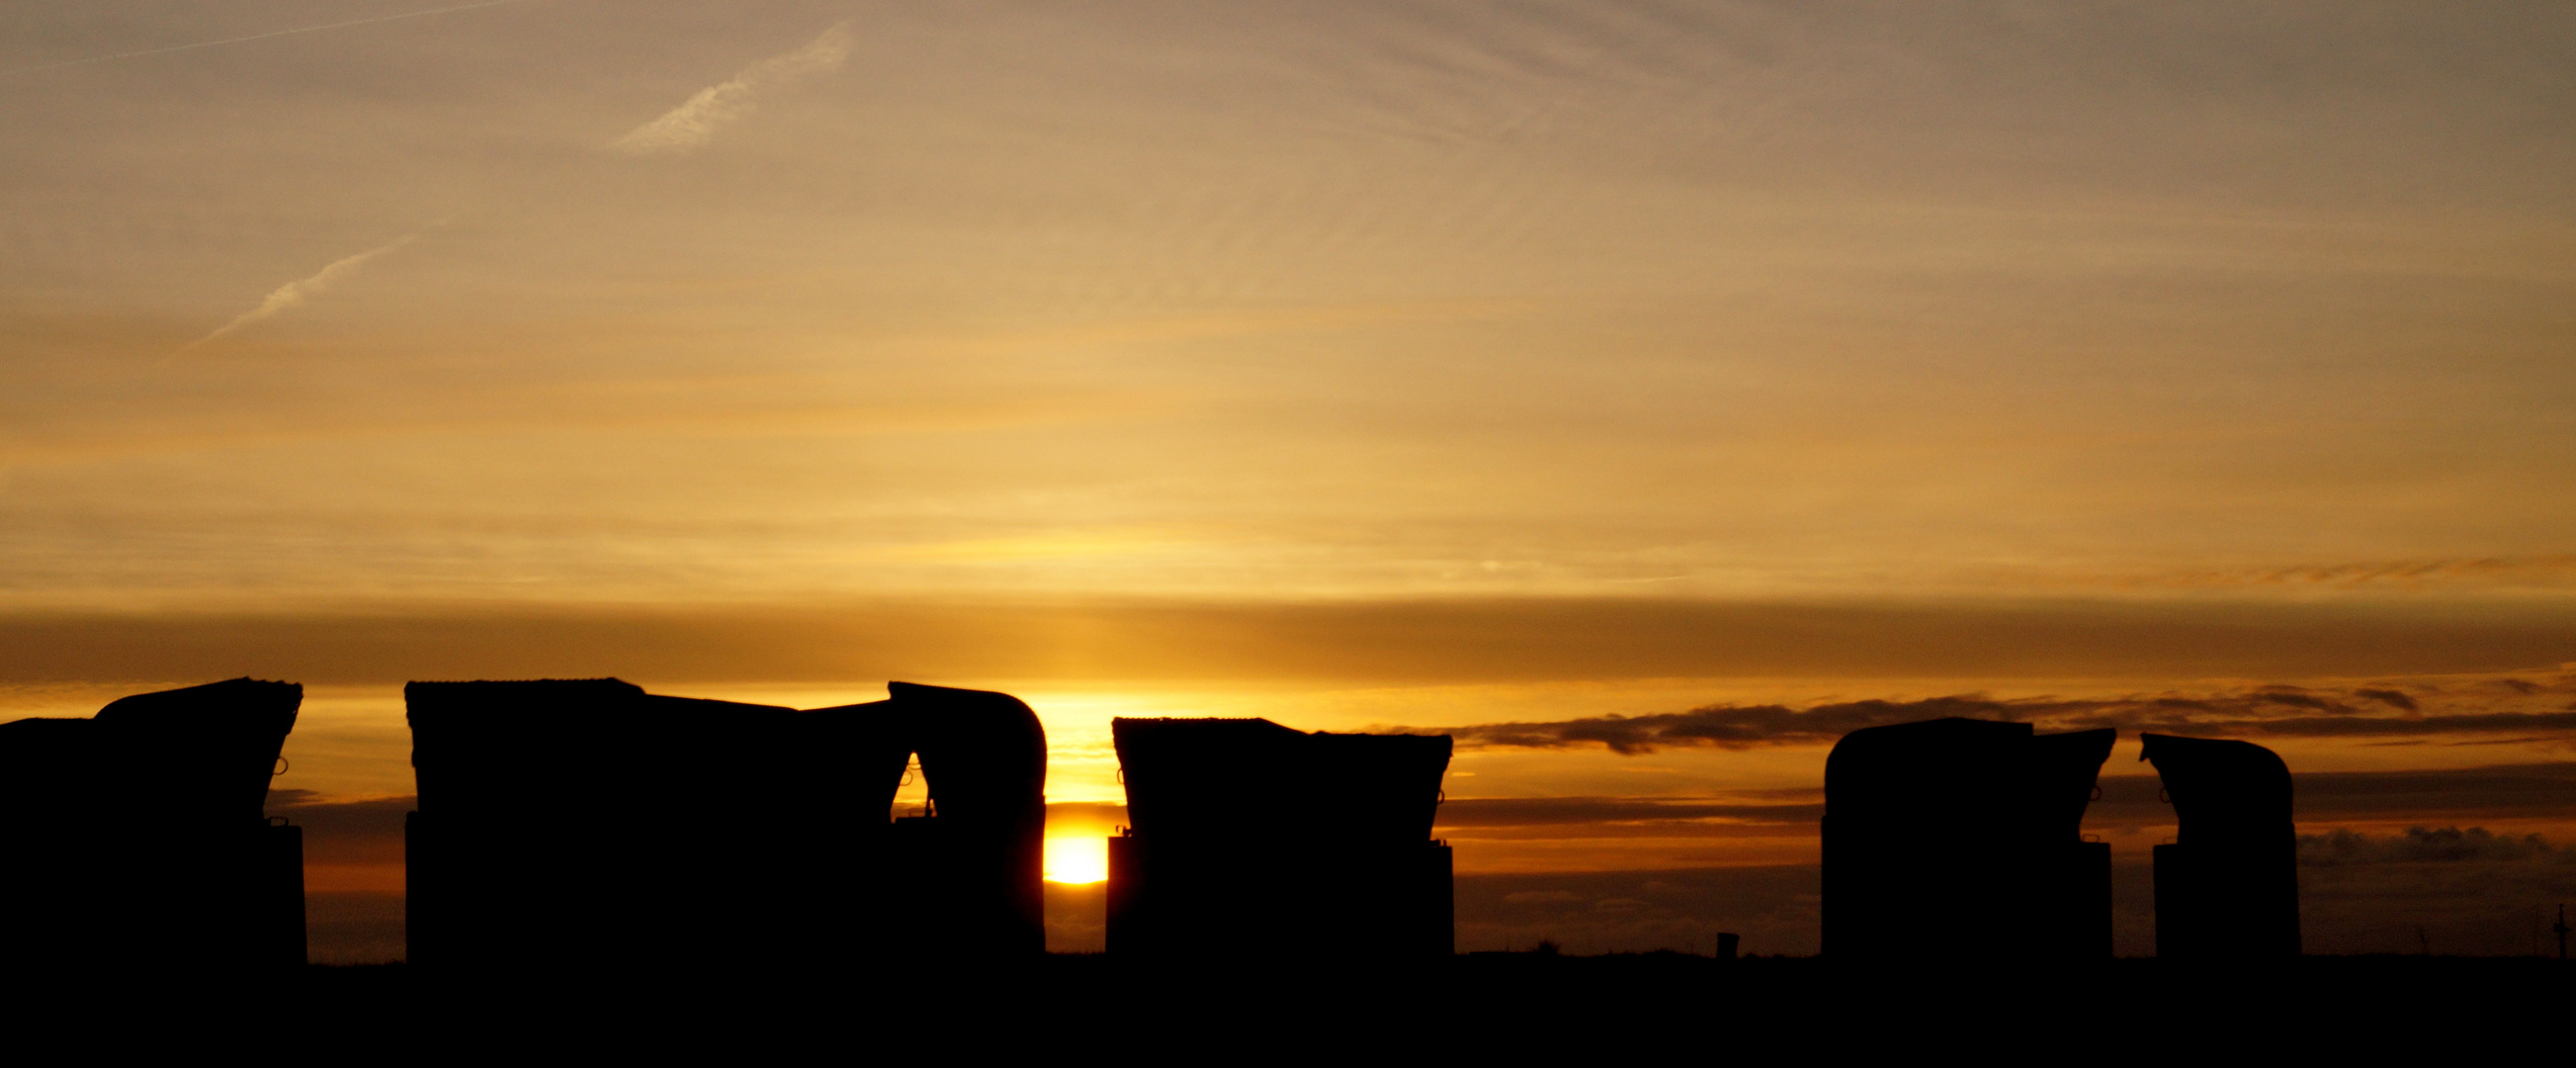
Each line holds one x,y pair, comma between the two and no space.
1586,304
1349,643
1401,308
1360,364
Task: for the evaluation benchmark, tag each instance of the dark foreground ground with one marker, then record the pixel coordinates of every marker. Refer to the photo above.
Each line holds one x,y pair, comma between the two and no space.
1487,1002
1511,1006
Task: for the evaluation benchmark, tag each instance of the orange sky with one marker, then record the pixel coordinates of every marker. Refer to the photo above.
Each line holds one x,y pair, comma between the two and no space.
1385,364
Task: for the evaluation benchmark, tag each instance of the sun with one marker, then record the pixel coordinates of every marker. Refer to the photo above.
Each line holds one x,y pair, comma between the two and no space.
1077,860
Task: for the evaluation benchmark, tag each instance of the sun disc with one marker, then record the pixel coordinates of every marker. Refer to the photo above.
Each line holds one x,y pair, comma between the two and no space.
1077,860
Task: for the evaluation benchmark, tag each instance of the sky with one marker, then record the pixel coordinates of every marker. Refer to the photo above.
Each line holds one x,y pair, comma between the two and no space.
1484,367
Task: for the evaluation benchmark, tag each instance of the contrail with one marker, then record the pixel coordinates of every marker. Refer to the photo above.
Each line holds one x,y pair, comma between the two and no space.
682,129
258,36
295,292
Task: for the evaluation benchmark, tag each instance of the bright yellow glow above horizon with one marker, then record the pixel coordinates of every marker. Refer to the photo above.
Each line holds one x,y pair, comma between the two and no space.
1337,308
1077,860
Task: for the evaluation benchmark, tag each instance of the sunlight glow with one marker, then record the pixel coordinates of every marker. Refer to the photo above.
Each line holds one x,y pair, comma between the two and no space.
1077,860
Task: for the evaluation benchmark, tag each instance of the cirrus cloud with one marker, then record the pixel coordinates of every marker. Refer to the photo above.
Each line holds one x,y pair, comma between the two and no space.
295,293
686,128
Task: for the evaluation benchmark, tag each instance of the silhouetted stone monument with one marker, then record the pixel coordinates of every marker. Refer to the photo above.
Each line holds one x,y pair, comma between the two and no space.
2228,885
967,878
1247,838
591,823
1955,837
136,838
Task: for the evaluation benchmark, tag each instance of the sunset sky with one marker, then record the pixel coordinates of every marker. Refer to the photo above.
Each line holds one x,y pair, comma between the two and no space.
1485,367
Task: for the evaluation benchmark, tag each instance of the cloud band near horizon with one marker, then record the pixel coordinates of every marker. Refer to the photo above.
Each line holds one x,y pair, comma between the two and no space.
2280,711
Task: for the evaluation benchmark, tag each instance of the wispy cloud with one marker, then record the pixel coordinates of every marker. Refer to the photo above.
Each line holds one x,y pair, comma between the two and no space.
297,292
684,129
